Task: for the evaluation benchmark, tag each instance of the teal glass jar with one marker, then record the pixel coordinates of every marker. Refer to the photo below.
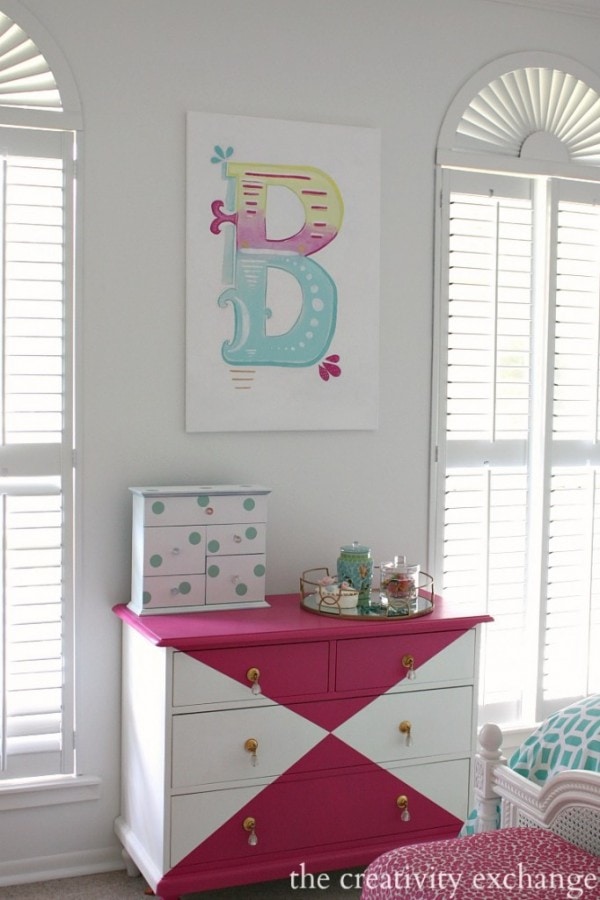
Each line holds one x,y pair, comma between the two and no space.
355,565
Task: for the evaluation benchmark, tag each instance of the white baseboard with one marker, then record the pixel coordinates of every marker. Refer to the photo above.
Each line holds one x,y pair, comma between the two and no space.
64,865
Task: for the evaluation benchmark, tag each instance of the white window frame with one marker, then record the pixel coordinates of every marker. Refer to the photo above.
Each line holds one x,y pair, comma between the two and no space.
51,105
461,150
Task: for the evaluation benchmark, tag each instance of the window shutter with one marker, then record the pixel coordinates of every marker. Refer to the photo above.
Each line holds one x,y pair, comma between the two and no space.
489,284
572,609
489,312
33,639
575,409
485,547
35,728
34,300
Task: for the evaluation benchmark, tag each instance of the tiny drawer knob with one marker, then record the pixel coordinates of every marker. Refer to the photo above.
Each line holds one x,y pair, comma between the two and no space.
404,728
253,674
402,804
408,662
251,746
175,551
209,511
237,539
249,825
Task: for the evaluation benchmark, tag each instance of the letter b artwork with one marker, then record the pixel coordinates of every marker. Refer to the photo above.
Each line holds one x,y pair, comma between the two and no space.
282,275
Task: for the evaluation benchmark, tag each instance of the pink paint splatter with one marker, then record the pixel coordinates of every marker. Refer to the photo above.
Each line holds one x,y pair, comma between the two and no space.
329,368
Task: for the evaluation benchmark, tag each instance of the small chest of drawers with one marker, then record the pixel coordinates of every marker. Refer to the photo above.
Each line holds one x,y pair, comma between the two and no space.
198,547
277,738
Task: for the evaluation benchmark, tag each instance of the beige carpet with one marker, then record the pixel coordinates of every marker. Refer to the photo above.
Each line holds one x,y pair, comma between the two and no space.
119,886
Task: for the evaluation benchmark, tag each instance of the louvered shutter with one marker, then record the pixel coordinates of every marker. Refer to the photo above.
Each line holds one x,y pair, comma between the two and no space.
35,452
571,633
489,284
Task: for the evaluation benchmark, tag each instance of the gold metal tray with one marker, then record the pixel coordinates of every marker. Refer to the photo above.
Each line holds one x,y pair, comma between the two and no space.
316,600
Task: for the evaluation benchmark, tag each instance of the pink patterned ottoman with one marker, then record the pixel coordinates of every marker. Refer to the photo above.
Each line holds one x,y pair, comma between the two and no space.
524,863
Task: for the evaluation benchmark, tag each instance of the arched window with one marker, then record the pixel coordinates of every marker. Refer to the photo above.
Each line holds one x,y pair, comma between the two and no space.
516,463
39,121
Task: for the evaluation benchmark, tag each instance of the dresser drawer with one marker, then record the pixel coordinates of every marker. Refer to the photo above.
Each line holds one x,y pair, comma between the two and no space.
174,549
333,809
381,662
412,725
234,539
259,742
174,590
219,676
205,509
235,579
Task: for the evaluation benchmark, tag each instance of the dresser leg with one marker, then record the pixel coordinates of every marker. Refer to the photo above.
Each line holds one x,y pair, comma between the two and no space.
130,866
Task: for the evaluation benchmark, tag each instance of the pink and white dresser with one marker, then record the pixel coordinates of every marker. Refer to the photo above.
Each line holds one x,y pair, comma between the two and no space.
261,742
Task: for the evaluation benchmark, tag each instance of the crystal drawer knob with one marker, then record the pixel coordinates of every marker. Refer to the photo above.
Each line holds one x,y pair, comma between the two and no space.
249,825
405,728
402,804
408,661
251,747
253,674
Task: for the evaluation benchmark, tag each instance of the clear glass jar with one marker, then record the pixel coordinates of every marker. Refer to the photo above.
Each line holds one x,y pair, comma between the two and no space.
400,582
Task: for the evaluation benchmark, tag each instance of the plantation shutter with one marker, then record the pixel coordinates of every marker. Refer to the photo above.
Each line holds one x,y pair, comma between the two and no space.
35,452
572,609
489,311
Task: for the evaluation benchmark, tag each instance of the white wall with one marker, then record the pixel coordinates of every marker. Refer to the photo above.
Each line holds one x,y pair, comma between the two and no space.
139,66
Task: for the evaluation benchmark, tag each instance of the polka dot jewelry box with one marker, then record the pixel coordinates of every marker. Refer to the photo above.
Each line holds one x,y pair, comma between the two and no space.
198,547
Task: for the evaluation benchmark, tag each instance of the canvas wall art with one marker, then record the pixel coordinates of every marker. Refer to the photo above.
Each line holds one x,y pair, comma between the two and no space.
282,297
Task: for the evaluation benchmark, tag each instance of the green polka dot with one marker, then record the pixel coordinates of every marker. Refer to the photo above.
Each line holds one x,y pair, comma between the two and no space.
213,571
156,560
259,570
195,537
241,589
249,503
158,507
214,546
185,587
146,597
203,501
251,533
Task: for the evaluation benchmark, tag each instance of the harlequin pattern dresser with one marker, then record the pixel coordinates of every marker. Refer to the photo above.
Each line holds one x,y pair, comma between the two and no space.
262,742
198,547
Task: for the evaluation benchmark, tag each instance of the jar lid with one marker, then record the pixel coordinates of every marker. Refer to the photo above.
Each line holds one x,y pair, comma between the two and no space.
355,547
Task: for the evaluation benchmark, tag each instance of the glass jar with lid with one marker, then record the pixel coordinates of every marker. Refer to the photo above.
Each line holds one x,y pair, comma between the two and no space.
355,566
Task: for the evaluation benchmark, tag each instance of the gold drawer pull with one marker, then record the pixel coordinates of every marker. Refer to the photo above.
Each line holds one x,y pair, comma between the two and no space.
249,825
408,662
402,804
405,728
253,674
251,746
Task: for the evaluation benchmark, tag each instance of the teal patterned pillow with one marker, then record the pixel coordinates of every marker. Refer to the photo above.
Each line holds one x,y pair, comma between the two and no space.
568,739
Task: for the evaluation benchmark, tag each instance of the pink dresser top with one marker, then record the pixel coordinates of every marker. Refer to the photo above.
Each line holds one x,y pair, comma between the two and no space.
285,620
